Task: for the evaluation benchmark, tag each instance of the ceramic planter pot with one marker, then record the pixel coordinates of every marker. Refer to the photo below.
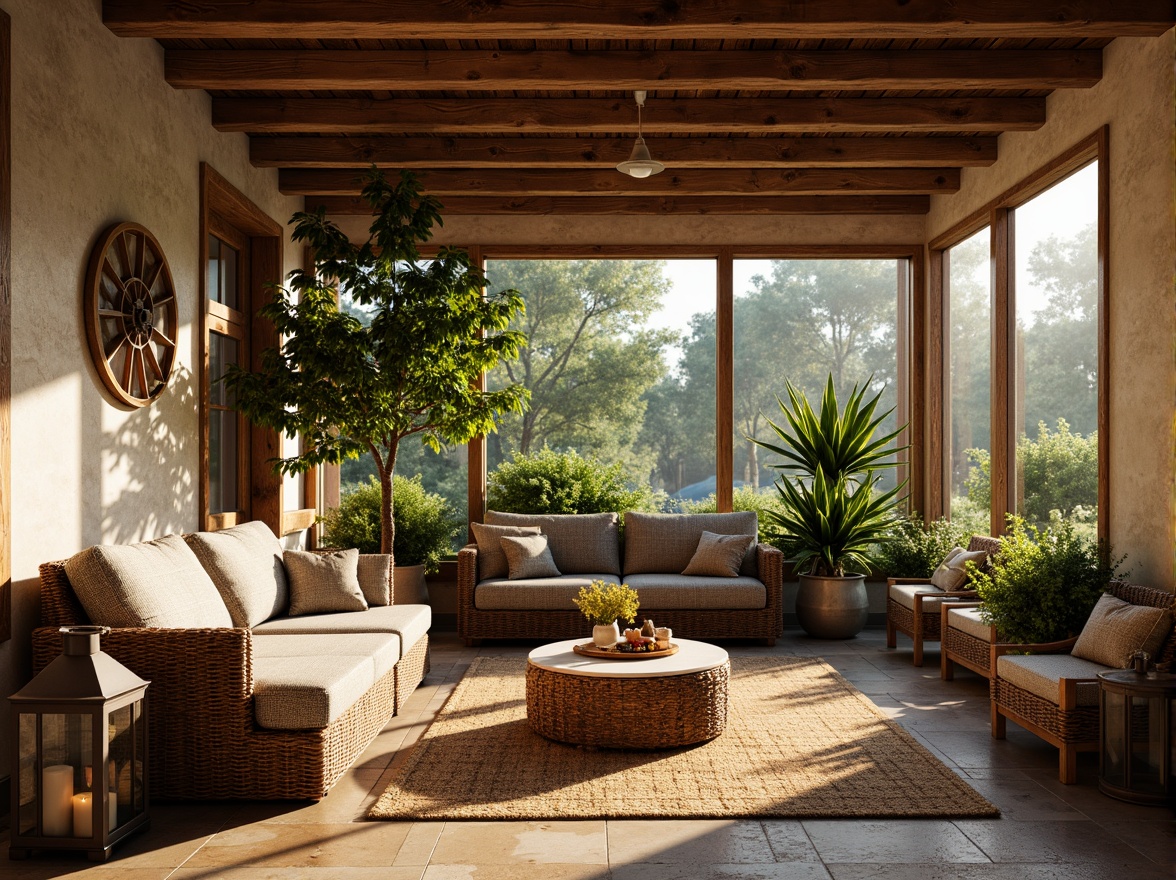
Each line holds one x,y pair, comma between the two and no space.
409,583
606,635
832,607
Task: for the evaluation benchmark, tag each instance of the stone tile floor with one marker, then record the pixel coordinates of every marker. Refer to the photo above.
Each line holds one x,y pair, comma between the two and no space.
1047,830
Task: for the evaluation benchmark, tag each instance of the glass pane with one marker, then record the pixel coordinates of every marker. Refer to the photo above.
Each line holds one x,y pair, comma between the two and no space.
67,749
228,272
222,461
1056,396
969,307
1114,737
26,820
140,758
802,321
213,282
120,757
1147,745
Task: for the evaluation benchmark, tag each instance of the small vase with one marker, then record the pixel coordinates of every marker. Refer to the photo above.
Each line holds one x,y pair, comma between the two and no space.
606,635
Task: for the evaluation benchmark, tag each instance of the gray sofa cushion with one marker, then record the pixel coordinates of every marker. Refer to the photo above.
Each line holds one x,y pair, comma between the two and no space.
245,563
491,558
657,542
719,555
410,622
1040,674
528,556
580,543
687,592
155,583
535,594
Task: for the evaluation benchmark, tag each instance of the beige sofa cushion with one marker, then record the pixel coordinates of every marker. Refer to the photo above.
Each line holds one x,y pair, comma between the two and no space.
410,622
155,583
660,542
580,543
1116,629
491,558
322,582
528,556
904,595
535,594
968,620
374,573
1040,674
685,592
382,648
308,693
245,563
719,555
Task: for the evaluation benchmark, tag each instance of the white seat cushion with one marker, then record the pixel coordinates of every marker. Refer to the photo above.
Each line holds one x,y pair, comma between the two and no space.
904,595
535,594
383,648
968,620
301,693
696,593
245,563
410,622
1040,673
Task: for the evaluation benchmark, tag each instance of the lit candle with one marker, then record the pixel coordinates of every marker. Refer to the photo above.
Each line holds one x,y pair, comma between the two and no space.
112,810
83,814
57,800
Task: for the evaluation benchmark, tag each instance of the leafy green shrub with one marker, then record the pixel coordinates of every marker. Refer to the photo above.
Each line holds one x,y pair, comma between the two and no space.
744,498
914,549
564,482
425,524
1044,582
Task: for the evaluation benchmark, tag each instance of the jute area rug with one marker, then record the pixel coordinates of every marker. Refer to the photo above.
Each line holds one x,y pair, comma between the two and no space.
800,742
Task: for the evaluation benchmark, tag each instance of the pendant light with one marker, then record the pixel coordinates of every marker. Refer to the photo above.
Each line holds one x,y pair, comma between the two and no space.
640,163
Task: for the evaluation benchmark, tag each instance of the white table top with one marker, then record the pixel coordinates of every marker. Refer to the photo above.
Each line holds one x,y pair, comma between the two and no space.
691,657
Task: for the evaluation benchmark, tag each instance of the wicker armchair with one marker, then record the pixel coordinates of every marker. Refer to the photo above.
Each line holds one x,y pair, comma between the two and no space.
920,619
1071,720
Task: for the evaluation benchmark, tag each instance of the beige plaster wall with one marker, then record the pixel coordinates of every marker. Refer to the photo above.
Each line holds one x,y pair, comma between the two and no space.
98,137
1137,99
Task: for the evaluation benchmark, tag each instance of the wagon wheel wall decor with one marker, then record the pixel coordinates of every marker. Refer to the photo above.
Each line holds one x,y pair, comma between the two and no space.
130,314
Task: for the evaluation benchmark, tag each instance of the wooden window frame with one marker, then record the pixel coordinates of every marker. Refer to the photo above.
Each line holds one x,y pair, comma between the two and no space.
225,209
5,327
999,216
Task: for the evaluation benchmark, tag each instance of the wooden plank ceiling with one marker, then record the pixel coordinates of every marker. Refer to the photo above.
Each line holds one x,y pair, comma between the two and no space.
755,106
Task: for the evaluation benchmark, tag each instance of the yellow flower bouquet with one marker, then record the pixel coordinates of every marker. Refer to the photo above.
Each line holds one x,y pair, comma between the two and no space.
604,604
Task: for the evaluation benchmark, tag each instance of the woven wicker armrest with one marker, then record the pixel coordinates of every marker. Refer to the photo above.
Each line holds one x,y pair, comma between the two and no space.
467,576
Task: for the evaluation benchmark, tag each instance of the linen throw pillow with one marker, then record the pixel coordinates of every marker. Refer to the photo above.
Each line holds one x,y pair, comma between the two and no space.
952,573
719,555
1116,629
491,559
245,563
323,582
375,578
155,583
528,556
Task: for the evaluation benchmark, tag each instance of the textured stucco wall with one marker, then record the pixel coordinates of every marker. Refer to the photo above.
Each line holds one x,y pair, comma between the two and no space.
98,137
1137,99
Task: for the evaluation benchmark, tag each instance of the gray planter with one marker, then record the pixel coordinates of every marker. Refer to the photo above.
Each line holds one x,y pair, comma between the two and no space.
832,607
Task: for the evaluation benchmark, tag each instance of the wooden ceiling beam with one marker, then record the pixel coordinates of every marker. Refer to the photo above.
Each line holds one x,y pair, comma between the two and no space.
634,19
678,153
491,70
610,116
697,182
623,205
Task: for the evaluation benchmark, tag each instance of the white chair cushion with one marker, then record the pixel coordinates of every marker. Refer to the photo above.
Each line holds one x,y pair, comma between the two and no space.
968,620
1040,673
245,563
410,622
535,594
904,595
155,583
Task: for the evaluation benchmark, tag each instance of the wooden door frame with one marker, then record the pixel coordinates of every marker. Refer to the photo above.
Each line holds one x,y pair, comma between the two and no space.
5,327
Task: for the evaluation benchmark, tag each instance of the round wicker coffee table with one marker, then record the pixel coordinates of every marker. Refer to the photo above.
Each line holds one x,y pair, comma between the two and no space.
628,704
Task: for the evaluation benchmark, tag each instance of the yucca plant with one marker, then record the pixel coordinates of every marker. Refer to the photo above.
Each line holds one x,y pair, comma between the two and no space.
832,508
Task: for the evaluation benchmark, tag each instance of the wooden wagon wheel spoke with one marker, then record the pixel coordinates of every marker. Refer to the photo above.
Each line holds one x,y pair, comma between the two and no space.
130,306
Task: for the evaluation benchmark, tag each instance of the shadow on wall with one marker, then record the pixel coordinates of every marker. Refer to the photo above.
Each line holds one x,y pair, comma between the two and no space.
153,462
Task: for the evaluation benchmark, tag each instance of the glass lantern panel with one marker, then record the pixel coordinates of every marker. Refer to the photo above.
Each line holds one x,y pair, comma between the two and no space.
120,756
67,761
1114,755
1147,744
139,798
26,819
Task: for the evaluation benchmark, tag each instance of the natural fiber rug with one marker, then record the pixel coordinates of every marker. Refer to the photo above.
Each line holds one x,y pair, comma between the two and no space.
800,742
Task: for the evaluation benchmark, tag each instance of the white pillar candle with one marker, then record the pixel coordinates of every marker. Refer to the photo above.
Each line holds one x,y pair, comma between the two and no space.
83,814
57,800
112,810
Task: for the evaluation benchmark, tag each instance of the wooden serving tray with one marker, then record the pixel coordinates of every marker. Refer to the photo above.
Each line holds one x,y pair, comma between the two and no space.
590,650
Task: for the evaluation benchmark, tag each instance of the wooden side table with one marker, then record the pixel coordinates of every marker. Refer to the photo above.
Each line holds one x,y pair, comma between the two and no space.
1137,757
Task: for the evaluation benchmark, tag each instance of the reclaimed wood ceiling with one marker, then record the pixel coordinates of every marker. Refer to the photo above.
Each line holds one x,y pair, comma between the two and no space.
760,106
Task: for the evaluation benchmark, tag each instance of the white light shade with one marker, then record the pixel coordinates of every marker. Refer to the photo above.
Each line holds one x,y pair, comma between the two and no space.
640,164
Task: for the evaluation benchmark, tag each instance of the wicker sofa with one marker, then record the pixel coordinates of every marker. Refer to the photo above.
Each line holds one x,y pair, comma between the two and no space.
275,708
655,549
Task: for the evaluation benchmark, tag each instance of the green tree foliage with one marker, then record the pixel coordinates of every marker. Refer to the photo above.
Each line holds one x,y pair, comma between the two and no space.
1043,583
564,482
589,358
425,524
915,548
349,388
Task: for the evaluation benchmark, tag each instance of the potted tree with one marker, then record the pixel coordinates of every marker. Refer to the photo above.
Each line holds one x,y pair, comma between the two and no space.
831,509
347,388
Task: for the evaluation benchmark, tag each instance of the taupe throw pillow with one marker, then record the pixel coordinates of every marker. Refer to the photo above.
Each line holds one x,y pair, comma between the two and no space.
323,582
491,559
528,556
719,555
1116,629
952,573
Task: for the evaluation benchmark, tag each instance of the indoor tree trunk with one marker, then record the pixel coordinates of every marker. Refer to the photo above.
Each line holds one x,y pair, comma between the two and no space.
387,505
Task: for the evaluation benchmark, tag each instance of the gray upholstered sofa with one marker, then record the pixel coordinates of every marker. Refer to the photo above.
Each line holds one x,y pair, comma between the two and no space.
246,699
655,550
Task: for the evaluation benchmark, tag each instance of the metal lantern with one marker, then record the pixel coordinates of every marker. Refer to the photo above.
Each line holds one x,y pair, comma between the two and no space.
80,752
